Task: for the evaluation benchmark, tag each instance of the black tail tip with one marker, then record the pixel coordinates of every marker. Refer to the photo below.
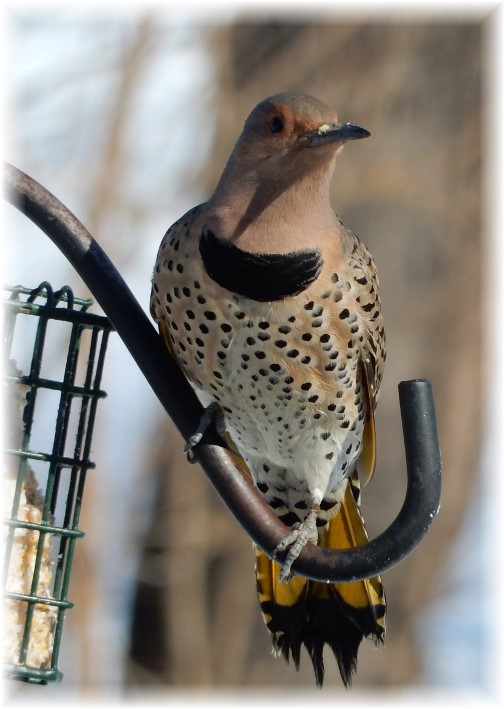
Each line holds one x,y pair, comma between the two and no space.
345,654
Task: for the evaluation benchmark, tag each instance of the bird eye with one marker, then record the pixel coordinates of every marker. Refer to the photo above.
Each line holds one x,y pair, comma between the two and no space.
276,124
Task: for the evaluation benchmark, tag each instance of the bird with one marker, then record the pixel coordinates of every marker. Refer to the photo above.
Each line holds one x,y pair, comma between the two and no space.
270,305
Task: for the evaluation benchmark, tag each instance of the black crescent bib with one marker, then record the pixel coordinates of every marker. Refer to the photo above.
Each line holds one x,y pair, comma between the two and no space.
261,277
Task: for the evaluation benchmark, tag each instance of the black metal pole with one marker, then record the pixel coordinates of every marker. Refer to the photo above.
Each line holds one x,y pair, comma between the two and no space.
236,489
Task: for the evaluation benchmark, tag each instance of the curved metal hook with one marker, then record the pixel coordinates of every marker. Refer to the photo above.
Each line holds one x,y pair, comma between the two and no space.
237,490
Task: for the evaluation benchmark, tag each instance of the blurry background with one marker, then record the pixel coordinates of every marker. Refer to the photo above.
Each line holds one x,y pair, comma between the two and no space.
128,117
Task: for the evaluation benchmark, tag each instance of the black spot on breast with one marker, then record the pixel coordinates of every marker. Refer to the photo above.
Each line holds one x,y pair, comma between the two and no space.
290,518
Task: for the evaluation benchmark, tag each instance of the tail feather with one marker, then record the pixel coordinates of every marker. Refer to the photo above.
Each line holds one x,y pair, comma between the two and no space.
313,614
363,601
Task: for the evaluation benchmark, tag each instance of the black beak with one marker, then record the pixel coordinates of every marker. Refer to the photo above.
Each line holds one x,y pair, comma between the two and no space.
340,133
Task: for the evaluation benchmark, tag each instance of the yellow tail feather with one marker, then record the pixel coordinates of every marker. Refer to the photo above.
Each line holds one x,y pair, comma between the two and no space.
310,613
367,458
346,530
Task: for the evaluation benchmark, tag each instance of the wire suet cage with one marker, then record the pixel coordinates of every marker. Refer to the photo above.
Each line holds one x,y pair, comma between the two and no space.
44,484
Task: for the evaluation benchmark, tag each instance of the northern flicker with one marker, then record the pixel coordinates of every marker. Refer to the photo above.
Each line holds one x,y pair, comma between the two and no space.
270,305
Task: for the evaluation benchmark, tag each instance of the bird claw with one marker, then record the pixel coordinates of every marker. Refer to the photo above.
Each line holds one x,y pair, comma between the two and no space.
301,534
210,414
192,443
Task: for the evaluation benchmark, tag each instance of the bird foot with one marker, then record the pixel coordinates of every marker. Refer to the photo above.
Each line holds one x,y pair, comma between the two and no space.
211,414
301,534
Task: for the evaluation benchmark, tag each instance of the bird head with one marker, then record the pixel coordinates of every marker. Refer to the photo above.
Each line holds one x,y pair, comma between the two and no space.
292,130
276,181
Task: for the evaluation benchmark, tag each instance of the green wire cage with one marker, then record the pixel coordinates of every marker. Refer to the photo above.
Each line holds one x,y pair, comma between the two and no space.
45,330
